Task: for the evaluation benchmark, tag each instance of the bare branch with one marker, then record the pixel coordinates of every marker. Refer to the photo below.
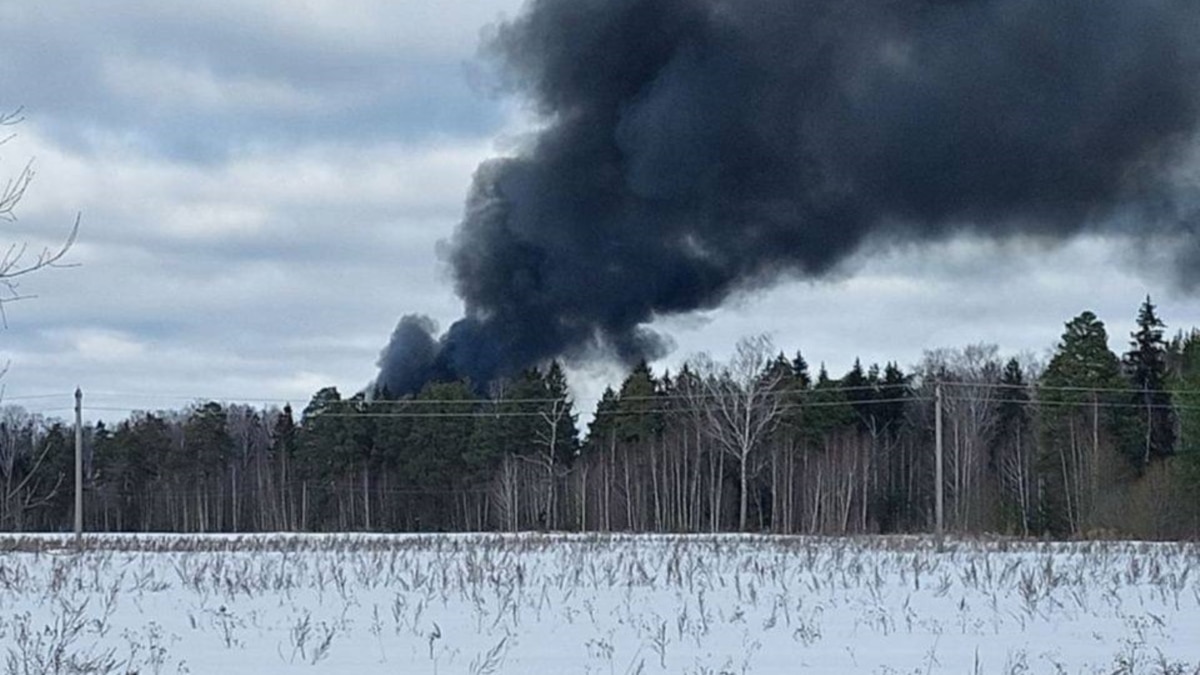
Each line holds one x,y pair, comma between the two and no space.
14,189
16,261
736,404
12,118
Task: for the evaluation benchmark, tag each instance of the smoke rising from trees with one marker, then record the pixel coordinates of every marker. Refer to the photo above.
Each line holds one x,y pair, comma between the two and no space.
694,148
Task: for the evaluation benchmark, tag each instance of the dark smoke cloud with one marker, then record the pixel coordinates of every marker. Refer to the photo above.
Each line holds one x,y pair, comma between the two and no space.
693,148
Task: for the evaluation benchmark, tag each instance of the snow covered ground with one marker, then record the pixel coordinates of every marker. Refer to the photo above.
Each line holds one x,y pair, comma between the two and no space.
609,605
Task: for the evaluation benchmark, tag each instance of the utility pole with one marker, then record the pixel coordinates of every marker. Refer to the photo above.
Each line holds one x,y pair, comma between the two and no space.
940,482
78,468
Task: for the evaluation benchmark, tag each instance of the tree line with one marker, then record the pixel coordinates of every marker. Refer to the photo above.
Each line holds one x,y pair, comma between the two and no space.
1089,443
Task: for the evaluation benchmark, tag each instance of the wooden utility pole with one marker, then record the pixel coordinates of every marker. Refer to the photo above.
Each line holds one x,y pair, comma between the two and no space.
939,487
78,467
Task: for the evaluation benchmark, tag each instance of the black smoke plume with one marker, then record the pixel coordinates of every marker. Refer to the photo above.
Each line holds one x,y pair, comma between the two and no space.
693,148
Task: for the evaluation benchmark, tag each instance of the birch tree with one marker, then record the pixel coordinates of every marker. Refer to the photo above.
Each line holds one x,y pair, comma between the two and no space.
740,405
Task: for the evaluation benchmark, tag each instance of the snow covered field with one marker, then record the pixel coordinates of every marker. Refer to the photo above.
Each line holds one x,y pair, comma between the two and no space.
608,605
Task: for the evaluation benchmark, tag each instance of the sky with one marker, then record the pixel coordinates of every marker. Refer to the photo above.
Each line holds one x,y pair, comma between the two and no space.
262,187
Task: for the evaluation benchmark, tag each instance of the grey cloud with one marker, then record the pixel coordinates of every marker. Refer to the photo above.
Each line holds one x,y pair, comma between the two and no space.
91,76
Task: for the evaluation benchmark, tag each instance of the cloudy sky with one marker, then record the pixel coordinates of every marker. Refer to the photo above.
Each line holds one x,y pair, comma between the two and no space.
263,186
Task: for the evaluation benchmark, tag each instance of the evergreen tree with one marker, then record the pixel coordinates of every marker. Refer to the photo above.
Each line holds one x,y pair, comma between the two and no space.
895,390
322,437
555,439
434,458
487,446
602,428
1011,454
323,433
283,434
1152,436
53,479
859,391
130,462
392,429
1187,398
1082,361
1077,398
207,439
558,409
780,370
283,444
800,371
827,408
509,423
894,505
789,386
1013,408
640,417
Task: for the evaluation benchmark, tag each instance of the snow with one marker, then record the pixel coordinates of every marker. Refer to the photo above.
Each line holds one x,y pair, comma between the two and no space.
603,604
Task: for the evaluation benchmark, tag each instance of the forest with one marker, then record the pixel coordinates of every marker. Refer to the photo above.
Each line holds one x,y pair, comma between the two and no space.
1089,443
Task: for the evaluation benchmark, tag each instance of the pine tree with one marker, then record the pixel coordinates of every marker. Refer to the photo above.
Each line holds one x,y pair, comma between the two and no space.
894,391
508,422
1153,435
138,454
827,408
602,428
1082,360
283,454
433,461
1012,452
780,370
559,409
1013,409
323,434
789,386
640,419
1187,397
207,438
1077,399
859,391
800,371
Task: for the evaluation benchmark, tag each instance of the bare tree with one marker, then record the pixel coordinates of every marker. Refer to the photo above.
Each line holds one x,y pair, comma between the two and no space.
18,260
548,442
970,376
739,404
27,482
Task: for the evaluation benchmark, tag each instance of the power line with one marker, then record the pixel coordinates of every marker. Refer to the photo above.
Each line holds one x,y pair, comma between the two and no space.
397,408
603,413
781,392
1067,388
481,414
179,397
30,397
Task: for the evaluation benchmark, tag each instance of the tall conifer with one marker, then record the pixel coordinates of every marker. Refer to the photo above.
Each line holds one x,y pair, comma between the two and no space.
1153,435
